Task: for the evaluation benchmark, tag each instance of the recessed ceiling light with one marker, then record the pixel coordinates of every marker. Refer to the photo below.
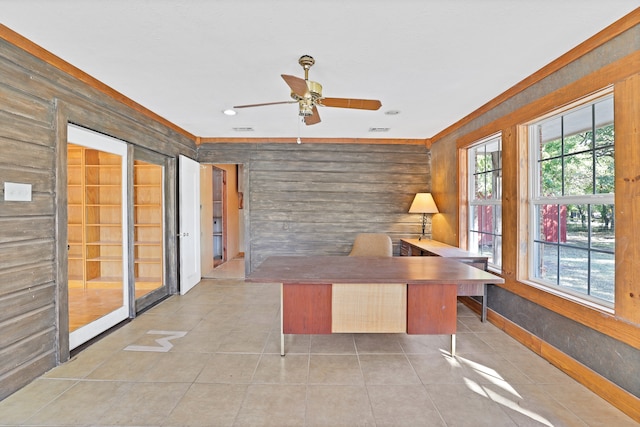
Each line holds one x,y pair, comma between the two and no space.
392,112
243,129
229,112
379,129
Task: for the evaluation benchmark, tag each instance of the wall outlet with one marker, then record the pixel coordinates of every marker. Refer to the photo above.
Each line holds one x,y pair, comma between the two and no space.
16,192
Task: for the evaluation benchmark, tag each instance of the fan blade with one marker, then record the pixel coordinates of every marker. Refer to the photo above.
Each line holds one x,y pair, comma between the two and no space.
266,103
312,119
297,85
361,104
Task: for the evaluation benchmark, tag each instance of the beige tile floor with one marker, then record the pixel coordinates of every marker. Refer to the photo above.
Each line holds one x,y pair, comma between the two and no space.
223,368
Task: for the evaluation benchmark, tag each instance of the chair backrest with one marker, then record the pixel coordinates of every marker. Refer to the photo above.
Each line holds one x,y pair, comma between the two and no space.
372,244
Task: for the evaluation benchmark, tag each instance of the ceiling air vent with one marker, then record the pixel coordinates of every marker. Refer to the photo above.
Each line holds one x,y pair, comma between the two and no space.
243,129
379,129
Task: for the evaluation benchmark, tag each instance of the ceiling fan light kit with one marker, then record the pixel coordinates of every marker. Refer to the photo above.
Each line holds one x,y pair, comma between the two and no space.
308,95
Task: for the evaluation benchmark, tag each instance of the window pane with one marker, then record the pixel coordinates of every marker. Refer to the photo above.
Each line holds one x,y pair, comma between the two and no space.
497,250
473,218
546,267
577,127
497,219
551,178
497,185
549,136
486,246
489,185
480,186
487,219
602,276
549,224
577,225
574,271
602,227
604,173
577,143
604,122
474,240
578,174
479,155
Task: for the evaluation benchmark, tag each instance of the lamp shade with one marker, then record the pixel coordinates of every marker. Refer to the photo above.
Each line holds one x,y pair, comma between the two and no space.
423,203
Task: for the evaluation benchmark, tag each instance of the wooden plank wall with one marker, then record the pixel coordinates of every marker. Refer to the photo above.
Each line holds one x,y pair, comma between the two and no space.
36,99
312,199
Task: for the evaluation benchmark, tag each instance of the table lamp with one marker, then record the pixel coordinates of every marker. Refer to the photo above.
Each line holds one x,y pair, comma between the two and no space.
423,203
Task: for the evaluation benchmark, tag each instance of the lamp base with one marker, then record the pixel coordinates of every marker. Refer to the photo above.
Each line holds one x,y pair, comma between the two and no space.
424,225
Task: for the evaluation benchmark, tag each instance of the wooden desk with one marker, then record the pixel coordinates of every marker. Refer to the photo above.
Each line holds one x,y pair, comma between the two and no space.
318,293
428,247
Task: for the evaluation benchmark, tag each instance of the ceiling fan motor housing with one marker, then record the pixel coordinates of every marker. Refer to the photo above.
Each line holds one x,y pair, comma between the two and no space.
311,98
314,92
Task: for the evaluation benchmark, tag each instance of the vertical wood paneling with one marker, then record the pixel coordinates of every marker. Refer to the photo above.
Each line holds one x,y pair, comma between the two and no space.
627,115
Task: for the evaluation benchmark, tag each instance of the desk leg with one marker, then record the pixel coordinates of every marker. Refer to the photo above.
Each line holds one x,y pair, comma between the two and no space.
483,316
453,345
281,319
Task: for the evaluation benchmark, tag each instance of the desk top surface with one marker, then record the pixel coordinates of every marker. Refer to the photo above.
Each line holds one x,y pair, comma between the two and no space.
442,249
347,269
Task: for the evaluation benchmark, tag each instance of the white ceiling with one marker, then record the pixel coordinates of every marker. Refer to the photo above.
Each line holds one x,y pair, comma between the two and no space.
435,61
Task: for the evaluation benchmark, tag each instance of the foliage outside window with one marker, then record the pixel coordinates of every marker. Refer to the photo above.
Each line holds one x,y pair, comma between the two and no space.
485,199
572,201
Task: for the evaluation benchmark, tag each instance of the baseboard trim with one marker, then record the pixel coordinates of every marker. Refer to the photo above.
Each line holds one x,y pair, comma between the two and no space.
612,393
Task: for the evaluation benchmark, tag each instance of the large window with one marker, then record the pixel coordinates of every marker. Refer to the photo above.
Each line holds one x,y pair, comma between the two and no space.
571,213
485,199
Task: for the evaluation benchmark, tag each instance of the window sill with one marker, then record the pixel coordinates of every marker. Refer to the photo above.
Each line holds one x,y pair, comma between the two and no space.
592,304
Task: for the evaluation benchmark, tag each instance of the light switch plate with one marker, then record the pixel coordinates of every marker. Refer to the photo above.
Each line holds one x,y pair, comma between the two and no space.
16,192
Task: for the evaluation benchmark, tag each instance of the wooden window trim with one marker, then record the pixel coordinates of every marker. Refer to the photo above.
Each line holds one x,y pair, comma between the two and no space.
625,77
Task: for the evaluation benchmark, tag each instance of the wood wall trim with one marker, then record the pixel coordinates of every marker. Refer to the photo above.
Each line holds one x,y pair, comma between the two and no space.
623,24
617,396
390,141
627,198
44,55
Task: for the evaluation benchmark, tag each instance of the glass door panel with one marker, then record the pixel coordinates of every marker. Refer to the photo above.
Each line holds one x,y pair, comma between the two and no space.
97,224
148,228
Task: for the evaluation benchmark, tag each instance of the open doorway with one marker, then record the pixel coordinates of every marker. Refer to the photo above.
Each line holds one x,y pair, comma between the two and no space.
222,237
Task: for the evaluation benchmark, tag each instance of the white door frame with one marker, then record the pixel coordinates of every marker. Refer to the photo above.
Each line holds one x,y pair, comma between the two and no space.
90,139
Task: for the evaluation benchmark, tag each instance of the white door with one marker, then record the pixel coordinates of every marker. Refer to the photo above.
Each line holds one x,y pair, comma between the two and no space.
189,232
105,243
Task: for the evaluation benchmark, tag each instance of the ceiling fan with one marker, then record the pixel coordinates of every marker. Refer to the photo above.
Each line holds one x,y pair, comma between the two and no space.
308,95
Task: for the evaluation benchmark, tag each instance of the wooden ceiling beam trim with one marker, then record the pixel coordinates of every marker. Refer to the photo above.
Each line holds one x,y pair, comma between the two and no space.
380,141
